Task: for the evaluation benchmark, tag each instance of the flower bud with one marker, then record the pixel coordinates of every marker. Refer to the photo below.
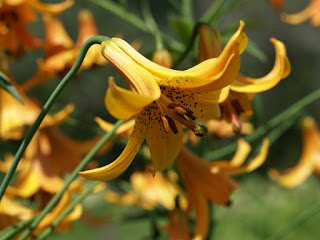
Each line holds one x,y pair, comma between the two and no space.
163,58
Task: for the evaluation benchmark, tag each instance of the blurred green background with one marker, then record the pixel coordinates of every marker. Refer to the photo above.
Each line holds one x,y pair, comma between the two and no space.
260,207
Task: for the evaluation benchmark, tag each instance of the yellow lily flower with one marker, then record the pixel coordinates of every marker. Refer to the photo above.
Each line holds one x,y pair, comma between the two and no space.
15,15
210,181
311,11
309,161
238,102
16,116
149,192
163,100
12,212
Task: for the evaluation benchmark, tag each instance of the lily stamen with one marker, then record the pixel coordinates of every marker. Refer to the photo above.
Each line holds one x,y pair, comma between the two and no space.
165,123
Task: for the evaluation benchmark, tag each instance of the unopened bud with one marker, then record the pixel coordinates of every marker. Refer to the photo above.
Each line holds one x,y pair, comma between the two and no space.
210,45
163,58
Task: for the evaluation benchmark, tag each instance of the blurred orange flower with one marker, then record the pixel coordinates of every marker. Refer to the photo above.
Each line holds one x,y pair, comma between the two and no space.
311,11
309,161
15,15
210,181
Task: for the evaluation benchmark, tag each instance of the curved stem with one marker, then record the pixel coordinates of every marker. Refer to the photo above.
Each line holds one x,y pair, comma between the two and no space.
260,131
46,108
71,178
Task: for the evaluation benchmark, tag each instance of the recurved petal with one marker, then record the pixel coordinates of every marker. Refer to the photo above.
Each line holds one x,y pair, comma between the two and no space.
137,78
252,165
310,157
55,8
164,146
119,165
280,70
123,103
297,18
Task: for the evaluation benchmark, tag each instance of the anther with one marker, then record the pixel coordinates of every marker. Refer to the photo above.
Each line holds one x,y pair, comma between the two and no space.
165,124
172,124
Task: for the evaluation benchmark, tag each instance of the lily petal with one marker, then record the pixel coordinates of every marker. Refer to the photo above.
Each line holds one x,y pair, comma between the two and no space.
281,69
253,164
119,165
55,8
137,78
122,103
164,146
297,18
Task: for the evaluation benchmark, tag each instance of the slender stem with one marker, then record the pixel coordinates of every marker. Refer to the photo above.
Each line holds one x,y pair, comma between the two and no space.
190,45
46,108
131,18
71,178
187,10
68,210
260,131
296,222
11,232
214,8
152,25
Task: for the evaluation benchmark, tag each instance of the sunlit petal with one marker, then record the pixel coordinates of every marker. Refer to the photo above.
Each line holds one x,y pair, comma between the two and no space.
123,104
119,165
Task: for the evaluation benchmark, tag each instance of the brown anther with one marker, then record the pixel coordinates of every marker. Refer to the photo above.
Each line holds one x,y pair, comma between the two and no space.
165,124
189,113
180,110
172,124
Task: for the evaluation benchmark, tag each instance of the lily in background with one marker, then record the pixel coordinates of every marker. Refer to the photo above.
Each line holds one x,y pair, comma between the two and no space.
15,15
237,103
309,161
311,11
210,181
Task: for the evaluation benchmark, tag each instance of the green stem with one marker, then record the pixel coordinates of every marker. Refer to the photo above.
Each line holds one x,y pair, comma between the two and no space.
214,8
71,178
121,12
11,232
296,222
190,45
46,108
68,210
260,131
152,25
187,10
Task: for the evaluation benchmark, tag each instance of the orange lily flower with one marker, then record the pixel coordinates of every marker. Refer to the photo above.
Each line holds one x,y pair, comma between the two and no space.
309,161
312,12
163,100
210,181
12,212
149,192
15,15
242,89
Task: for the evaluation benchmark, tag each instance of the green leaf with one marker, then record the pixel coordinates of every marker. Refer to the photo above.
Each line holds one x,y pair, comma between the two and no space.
182,28
7,86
